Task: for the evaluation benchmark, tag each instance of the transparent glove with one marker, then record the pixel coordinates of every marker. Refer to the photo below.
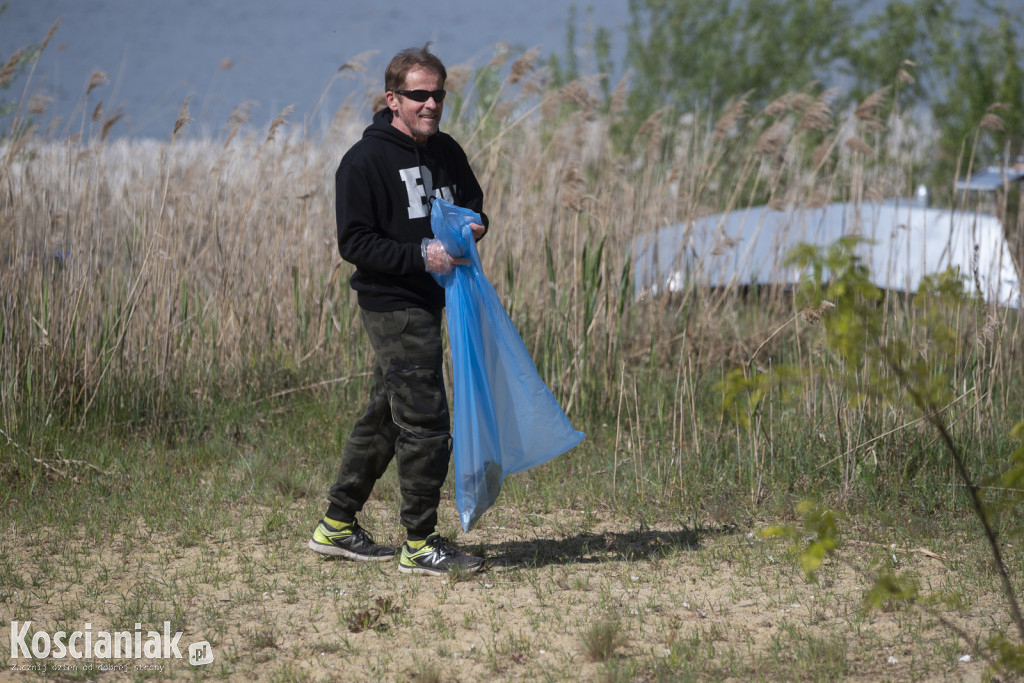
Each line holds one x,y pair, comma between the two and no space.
437,258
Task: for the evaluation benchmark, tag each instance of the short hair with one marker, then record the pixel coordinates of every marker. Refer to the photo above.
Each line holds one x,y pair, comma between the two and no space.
409,59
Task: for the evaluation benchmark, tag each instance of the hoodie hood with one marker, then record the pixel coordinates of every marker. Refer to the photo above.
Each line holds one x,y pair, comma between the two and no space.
382,127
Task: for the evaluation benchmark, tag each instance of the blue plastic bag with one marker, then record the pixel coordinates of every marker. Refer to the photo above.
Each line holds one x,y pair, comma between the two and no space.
506,419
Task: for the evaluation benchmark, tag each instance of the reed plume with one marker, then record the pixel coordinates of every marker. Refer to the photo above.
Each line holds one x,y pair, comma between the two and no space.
183,119
857,145
280,120
867,111
525,64
735,110
818,115
49,36
10,66
97,79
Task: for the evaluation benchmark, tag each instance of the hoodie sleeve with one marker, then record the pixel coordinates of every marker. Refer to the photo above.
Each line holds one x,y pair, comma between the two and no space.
359,210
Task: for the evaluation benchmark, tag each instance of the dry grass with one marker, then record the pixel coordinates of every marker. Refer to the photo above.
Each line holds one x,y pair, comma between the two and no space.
127,259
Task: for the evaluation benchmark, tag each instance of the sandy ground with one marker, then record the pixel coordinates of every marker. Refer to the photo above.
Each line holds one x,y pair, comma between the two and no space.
674,603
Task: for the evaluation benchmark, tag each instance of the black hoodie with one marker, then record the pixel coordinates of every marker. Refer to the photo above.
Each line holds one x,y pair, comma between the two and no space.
384,185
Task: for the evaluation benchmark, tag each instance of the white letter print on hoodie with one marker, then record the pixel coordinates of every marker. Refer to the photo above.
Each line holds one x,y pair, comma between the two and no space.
419,184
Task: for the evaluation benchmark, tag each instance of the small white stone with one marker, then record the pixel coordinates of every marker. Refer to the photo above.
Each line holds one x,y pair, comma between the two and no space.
965,658
892,660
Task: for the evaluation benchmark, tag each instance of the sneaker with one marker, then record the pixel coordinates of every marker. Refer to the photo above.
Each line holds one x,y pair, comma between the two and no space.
352,542
437,556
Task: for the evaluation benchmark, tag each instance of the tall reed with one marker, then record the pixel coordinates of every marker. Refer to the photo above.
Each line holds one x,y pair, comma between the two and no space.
139,276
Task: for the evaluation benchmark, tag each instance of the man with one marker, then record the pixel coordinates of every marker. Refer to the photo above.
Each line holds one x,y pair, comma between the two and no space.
385,184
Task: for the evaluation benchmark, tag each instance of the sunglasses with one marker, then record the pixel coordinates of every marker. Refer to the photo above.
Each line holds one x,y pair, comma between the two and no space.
423,95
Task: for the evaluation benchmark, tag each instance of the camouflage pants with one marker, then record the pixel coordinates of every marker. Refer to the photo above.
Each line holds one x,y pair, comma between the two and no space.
407,419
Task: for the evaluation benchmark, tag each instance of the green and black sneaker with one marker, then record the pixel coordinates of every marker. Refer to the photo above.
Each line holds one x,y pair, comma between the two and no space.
350,540
437,556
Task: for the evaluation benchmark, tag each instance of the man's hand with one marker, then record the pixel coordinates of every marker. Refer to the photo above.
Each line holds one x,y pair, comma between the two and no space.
478,231
437,258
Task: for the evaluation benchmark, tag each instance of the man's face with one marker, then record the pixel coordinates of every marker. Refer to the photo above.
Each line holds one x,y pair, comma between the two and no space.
419,120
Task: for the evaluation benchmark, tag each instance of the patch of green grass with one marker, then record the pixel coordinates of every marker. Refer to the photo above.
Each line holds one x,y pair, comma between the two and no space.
602,639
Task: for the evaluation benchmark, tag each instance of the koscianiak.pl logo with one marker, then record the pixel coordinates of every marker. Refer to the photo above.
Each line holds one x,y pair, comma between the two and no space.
112,647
